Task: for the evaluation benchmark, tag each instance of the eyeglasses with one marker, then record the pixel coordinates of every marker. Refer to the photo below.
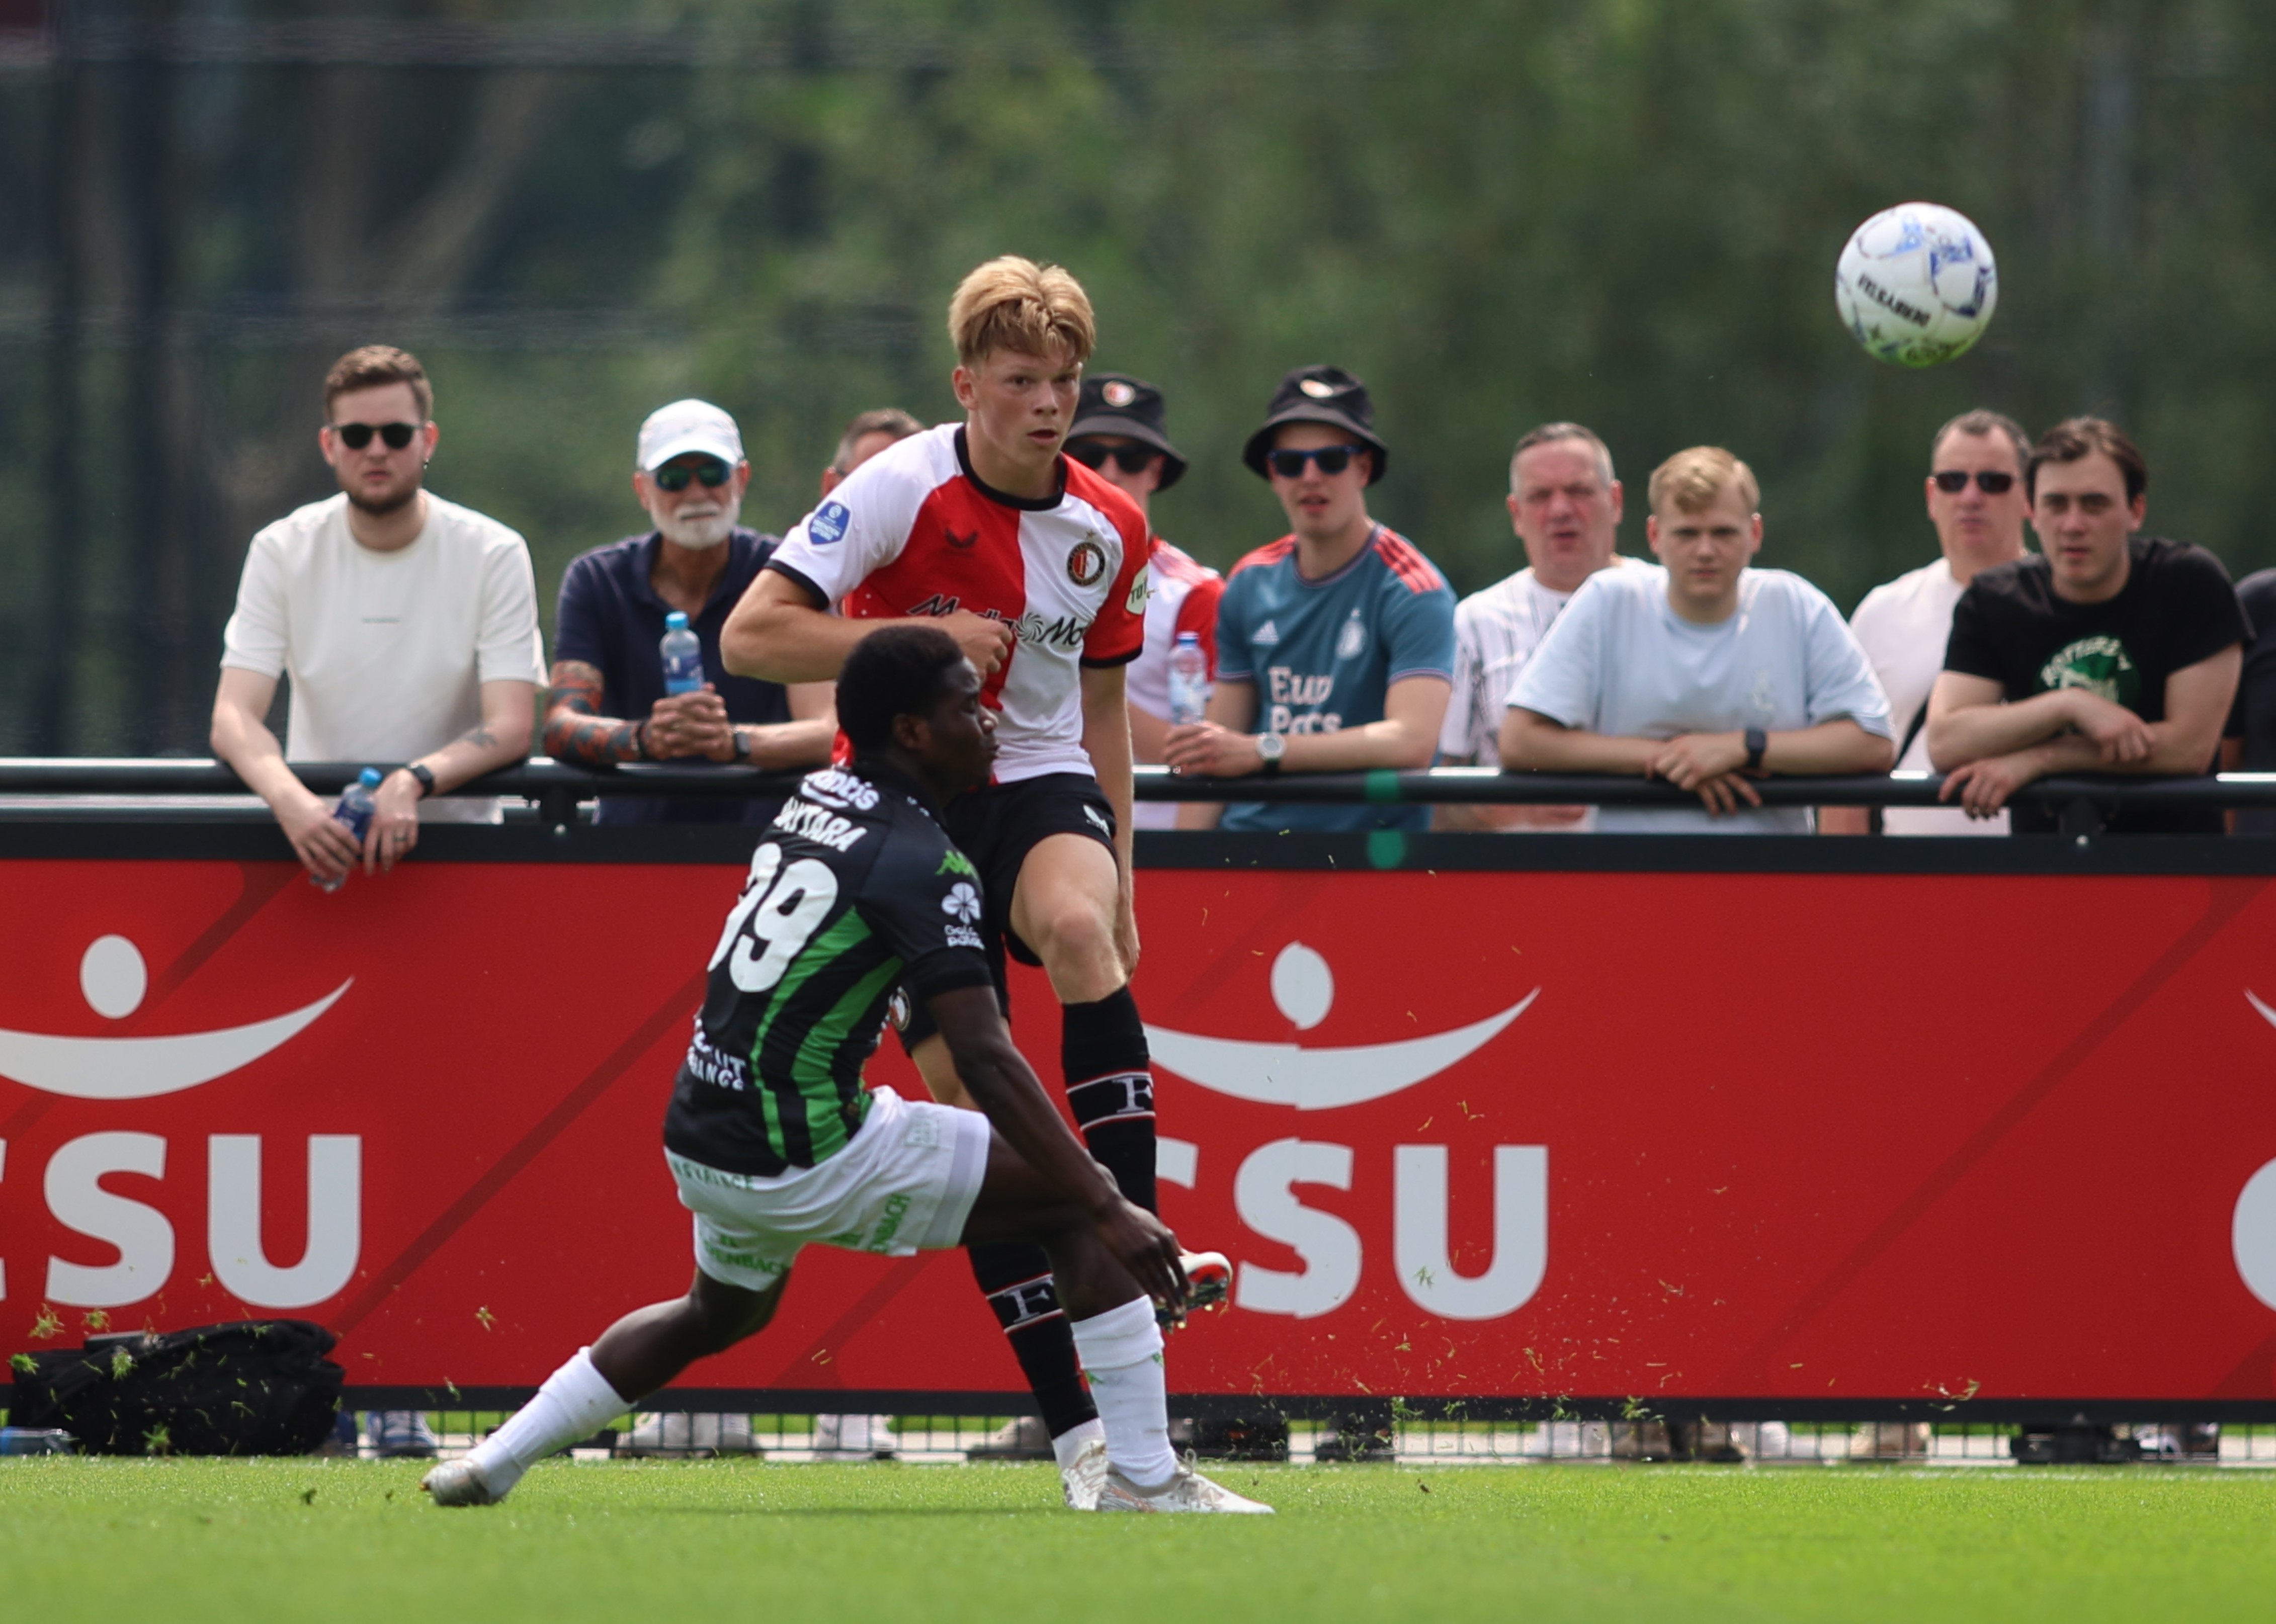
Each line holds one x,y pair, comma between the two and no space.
675,476
355,437
1333,459
1130,458
1952,481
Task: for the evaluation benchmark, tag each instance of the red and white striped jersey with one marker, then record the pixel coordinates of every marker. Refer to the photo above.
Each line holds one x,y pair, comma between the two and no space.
913,531
1183,598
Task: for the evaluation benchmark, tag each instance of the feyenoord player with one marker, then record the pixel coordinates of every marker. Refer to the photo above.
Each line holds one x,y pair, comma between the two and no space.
1037,567
775,1144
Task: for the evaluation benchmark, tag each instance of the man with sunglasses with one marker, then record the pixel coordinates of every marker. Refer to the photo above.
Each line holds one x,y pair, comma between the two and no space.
2109,652
1119,431
1336,642
691,476
409,625
1976,501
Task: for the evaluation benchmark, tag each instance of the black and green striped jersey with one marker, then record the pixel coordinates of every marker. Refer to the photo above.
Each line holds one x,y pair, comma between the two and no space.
853,892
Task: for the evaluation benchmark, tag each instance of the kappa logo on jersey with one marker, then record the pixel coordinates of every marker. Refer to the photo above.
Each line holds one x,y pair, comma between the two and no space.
835,788
957,862
819,824
1266,634
1086,563
830,523
962,544
962,901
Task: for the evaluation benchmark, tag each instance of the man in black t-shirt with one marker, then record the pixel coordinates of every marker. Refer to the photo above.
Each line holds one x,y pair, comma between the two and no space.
2110,652
776,1143
2251,746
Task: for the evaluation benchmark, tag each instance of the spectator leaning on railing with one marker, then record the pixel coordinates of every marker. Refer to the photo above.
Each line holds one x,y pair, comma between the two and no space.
690,476
2111,652
1976,501
1565,506
1119,430
409,627
1700,670
2251,746
1339,638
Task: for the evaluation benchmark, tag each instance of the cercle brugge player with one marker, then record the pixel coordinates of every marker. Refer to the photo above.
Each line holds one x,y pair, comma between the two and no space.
1037,566
856,891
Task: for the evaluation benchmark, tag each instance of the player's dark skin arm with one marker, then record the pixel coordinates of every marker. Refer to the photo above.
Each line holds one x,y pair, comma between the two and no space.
1107,1243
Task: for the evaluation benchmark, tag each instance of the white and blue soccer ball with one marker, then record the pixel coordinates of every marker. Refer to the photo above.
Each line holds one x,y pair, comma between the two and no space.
1915,284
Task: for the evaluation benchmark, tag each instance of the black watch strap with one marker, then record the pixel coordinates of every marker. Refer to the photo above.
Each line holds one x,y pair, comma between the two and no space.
426,777
1757,741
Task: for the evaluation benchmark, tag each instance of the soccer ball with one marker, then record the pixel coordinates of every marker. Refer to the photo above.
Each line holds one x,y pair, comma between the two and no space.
1915,284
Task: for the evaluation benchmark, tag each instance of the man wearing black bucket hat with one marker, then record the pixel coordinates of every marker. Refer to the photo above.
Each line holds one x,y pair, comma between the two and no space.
1119,430
1335,642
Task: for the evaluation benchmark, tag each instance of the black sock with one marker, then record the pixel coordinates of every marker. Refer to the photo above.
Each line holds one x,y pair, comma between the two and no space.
1102,1049
1017,1280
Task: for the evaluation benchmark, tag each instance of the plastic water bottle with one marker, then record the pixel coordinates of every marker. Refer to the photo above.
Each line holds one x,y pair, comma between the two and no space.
683,656
355,809
1189,683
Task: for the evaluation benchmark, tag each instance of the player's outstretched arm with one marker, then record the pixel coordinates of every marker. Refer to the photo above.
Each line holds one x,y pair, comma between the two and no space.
1000,1081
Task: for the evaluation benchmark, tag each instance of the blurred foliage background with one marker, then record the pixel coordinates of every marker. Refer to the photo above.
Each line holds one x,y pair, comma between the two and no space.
1496,211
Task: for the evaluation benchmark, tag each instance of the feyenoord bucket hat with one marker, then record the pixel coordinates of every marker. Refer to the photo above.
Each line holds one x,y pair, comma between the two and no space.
1117,404
1318,395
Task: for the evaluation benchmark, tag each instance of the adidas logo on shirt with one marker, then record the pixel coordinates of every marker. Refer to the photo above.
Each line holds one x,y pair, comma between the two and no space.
1266,633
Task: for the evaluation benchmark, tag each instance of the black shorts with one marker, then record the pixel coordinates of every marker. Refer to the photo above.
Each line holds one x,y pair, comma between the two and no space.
996,827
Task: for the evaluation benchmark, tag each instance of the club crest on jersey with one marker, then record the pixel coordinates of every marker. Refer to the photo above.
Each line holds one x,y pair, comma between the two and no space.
829,523
1352,640
1087,563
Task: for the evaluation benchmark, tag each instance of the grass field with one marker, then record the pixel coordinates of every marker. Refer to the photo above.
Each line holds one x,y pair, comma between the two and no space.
347,1541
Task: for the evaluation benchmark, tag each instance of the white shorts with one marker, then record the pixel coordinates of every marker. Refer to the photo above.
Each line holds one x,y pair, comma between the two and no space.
905,1183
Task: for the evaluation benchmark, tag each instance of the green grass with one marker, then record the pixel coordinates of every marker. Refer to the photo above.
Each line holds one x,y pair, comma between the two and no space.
347,1541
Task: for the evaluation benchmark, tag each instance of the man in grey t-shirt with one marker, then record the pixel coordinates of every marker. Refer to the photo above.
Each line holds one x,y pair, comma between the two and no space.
1701,671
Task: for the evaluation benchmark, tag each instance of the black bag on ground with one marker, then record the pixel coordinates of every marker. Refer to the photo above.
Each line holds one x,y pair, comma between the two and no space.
250,1387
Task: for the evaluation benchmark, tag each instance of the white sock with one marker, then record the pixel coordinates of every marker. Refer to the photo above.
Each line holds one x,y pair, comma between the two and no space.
575,1402
1121,1354
1069,1444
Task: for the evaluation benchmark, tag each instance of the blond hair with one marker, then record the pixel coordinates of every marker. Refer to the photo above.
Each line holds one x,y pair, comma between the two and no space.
1690,481
1014,304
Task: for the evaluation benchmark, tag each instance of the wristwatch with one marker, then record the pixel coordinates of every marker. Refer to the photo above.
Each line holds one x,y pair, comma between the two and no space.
426,777
1757,741
1269,748
741,744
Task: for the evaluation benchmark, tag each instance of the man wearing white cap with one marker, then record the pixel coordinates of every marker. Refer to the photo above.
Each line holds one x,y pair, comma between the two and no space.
609,701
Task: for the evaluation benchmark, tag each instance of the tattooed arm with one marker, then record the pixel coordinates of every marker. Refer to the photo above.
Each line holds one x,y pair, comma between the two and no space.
575,729
501,737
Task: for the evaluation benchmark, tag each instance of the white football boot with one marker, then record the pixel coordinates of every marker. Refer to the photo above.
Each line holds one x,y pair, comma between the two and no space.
458,1483
1209,1283
1188,1491
1085,1475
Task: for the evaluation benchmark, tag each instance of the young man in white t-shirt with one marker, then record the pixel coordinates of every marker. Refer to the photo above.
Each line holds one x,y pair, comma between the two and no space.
1977,503
408,624
1700,670
1565,506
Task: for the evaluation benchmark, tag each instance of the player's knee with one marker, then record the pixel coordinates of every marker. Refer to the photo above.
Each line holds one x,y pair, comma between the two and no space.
1078,947
722,1316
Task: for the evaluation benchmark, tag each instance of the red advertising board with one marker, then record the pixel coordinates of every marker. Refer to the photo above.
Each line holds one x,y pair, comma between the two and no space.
1803,1137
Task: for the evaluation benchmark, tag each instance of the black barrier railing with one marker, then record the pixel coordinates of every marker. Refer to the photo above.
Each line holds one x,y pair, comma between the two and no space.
557,786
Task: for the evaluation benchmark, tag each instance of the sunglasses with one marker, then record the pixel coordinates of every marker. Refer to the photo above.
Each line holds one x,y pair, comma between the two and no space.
355,437
675,476
1130,458
1952,481
1333,459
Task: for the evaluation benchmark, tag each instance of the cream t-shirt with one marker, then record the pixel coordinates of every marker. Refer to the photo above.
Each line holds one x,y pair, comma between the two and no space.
1903,627
387,651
